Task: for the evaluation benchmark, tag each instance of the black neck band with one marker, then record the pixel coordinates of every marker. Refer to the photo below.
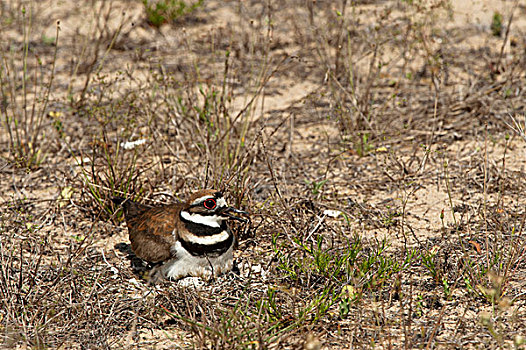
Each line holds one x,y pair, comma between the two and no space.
211,250
201,229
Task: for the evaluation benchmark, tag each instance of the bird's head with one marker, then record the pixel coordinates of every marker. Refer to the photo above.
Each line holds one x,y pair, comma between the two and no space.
209,207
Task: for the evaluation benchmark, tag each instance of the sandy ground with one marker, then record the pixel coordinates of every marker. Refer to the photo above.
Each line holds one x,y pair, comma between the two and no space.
291,97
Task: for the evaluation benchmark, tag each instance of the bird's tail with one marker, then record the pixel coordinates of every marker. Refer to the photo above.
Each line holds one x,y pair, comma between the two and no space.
131,208
118,200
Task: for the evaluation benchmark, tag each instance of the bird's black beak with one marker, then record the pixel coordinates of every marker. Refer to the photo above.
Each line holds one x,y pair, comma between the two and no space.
231,211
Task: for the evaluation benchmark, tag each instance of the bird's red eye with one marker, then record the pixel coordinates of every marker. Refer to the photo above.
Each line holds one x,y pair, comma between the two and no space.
209,204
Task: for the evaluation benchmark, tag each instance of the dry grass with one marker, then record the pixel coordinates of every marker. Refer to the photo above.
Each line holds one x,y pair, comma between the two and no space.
379,147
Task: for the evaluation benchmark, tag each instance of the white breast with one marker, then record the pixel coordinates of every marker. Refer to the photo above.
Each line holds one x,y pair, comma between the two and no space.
185,264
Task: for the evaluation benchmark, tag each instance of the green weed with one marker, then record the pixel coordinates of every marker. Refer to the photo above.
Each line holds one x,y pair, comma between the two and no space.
316,186
159,12
496,24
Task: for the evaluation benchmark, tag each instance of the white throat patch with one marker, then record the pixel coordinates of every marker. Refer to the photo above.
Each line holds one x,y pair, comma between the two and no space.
208,220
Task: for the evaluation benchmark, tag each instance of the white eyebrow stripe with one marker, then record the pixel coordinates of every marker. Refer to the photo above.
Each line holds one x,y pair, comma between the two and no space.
221,202
207,240
208,220
202,199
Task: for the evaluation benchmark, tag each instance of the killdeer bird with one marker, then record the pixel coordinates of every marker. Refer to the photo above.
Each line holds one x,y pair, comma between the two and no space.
183,239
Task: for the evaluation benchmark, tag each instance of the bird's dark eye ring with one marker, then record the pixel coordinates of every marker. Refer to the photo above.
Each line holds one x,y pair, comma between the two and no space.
209,204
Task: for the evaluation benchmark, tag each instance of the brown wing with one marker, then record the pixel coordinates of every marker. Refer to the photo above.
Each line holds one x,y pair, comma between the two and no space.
151,232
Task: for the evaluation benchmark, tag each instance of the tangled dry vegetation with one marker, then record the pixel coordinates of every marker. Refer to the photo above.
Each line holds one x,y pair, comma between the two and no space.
379,146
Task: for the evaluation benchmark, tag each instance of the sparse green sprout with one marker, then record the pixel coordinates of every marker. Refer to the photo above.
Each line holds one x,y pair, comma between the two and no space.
78,238
419,305
159,12
316,186
364,147
48,40
496,24
347,296
446,287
